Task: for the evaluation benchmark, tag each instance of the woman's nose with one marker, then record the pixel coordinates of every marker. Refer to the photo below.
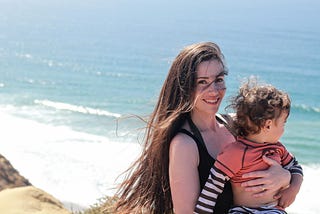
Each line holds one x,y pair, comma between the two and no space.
213,86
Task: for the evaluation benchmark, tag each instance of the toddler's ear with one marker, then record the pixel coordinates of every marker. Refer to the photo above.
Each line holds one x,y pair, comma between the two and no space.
267,125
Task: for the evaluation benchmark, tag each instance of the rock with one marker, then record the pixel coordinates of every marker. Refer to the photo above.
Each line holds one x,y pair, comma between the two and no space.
29,200
18,196
9,176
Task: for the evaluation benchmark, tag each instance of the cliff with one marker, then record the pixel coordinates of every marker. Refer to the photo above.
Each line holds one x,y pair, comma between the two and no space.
18,195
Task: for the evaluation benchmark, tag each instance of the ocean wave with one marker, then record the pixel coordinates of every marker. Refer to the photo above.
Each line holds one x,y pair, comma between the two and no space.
75,108
306,108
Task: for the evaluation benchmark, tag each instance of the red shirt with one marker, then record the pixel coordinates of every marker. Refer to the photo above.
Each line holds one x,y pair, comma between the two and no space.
244,156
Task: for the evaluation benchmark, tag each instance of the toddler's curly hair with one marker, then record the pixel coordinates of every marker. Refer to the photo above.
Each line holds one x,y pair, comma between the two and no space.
256,103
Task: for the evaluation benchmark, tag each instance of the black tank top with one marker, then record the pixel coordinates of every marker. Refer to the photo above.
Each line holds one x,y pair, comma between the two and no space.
225,199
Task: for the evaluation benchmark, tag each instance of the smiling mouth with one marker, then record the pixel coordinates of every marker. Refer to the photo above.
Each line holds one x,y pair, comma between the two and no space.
215,101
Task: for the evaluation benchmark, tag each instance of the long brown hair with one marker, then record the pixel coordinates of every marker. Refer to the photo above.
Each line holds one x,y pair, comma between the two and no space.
146,188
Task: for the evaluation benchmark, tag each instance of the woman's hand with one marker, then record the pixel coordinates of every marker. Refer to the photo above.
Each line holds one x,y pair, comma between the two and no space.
266,181
288,195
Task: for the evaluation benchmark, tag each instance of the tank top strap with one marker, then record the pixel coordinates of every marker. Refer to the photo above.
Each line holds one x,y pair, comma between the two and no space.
197,133
198,140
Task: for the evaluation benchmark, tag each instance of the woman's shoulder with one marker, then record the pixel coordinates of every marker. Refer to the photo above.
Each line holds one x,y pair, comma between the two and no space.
183,140
184,145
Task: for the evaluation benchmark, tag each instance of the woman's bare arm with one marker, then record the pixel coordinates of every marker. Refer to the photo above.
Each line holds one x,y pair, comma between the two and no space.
183,173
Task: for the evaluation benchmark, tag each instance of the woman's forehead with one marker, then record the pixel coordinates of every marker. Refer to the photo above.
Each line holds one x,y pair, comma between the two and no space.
210,68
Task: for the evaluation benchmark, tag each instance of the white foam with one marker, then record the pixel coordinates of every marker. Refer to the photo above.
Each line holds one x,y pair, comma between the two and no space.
307,199
75,108
307,108
73,166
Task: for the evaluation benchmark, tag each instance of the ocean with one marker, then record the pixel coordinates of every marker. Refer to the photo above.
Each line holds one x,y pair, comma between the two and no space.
73,75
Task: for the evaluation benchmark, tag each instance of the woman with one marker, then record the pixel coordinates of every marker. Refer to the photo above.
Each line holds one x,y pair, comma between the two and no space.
183,138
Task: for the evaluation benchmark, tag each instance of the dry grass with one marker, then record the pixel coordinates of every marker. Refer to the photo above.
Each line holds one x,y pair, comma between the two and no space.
103,206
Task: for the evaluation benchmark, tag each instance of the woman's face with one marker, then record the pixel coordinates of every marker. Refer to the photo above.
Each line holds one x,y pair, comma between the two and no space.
210,86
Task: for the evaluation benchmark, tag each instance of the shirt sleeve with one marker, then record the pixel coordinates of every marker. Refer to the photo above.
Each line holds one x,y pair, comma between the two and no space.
224,168
210,192
230,160
290,163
